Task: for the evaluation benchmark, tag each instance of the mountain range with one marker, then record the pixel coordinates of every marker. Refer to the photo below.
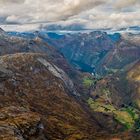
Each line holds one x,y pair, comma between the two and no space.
82,86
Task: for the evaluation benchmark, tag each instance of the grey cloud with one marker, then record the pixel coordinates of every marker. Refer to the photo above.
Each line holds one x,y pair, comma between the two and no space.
70,14
47,10
126,3
11,1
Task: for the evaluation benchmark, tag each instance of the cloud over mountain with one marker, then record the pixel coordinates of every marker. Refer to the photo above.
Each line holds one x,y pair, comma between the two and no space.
89,13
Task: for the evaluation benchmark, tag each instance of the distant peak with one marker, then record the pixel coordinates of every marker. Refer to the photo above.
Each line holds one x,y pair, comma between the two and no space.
2,31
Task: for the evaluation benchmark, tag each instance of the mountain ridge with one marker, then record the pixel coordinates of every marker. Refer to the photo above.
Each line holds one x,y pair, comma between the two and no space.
60,97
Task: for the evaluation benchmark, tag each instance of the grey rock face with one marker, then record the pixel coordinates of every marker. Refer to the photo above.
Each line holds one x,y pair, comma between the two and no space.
59,73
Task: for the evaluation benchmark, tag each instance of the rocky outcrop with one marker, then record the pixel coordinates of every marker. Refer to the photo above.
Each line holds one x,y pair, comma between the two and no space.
19,123
59,73
2,31
11,44
42,101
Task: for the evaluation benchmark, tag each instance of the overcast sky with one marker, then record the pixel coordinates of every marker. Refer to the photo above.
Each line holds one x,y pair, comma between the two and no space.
91,14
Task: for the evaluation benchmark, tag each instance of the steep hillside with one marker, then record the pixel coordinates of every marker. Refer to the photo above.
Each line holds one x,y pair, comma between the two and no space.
118,96
133,77
85,51
43,97
11,44
95,51
126,52
35,101
98,51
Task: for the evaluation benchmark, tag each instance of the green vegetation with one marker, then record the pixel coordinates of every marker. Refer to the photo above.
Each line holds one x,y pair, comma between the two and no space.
106,92
128,117
124,118
132,111
137,103
88,82
100,107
